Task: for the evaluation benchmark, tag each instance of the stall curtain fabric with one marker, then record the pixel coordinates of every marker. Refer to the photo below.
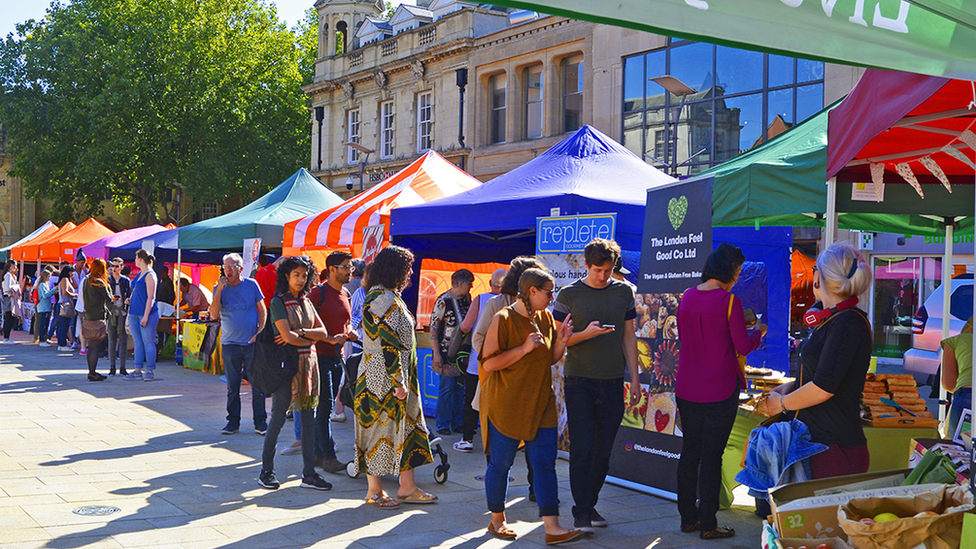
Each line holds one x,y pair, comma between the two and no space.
299,195
933,37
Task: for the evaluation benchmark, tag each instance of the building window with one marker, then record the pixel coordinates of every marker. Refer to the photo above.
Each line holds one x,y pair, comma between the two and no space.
742,98
425,123
496,85
352,135
572,93
386,129
209,210
533,102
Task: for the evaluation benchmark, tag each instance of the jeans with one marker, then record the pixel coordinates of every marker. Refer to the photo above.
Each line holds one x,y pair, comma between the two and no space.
470,415
594,410
236,358
540,451
330,370
55,322
961,400
144,339
64,324
118,340
706,426
450,403
280,402
41,323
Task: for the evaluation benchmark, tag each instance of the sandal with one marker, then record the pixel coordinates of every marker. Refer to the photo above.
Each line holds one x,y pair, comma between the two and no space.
418,496
503,532
721,532
383,501
693,527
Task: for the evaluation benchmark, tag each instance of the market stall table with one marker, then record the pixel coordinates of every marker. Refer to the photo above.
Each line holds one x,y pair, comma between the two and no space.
889,448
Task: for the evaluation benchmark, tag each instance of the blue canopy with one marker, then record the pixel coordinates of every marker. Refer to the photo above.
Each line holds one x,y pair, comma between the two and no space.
588,172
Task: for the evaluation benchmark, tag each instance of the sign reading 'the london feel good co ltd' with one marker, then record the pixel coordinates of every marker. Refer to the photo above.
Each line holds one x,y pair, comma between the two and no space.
677,237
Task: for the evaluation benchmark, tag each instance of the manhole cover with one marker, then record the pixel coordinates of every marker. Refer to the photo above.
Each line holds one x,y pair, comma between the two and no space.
482,478
96,510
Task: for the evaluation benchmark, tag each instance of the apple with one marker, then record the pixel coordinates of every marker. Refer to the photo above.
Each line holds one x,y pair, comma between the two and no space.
927,514
885,517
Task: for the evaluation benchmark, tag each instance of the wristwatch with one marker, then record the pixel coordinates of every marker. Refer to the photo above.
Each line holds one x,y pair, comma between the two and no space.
303,331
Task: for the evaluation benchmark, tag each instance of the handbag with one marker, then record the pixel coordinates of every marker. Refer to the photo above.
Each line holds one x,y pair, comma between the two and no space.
93,330
7,304
459,350
67,308
273,365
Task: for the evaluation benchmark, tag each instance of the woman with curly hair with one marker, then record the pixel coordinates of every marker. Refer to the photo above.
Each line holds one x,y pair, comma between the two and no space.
391,435
297,327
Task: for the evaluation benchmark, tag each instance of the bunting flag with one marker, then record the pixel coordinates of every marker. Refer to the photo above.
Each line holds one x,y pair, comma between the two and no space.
958,155
933,166
969,138
877,177
906,173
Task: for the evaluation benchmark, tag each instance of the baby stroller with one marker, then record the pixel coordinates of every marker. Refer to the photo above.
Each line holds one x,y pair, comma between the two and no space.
347,395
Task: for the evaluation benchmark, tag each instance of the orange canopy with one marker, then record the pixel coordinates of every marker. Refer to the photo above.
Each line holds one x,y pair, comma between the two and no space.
30,251
64,247
801,287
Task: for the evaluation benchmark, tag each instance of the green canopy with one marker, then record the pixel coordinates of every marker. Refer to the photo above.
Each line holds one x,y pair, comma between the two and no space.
932,37
300,195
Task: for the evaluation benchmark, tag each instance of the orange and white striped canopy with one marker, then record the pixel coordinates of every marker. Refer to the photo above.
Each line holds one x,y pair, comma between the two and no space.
428,178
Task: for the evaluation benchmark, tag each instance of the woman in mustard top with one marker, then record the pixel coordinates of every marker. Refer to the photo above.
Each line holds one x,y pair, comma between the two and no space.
957,373
517,402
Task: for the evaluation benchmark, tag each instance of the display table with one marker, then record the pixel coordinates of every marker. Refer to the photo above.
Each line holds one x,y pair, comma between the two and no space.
888,448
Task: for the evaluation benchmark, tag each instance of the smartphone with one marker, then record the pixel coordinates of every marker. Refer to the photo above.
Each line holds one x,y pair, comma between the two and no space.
222,273
611,326
750,315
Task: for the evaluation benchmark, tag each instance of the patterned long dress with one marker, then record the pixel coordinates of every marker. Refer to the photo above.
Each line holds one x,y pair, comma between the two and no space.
391,434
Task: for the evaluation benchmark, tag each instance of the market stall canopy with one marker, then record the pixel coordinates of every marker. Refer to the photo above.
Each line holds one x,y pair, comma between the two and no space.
166,249
30,251
430,177
299,195
585,173
933,37
100,247
66,245
44,230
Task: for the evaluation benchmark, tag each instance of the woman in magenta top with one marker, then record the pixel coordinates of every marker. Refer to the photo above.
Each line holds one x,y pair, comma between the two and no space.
707,386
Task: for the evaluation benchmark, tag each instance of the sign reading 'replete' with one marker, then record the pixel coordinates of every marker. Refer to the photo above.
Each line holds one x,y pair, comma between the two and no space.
677,237
557,235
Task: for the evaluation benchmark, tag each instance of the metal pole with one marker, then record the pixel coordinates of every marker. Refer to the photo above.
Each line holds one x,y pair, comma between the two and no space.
830,225
462,81
946,298
319,117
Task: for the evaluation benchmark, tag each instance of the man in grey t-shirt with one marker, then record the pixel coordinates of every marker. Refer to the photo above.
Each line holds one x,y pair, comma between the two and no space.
603,345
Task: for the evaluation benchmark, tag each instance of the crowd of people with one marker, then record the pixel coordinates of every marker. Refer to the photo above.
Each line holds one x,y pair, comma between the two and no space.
501,383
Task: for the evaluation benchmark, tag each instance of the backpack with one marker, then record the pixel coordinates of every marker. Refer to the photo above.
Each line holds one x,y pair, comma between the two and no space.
273,364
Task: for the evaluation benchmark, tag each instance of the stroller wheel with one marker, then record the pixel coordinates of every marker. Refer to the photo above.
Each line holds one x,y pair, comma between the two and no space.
440,473
351,470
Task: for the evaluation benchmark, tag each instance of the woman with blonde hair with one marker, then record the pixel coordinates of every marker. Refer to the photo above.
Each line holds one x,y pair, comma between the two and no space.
834,360
518,403
957,373
98,299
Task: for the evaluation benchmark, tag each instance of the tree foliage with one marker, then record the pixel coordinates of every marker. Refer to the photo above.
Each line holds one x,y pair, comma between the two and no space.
132,101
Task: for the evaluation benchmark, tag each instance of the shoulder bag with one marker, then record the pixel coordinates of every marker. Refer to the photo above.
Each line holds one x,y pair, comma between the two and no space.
273,364
459,350
93,330
66,308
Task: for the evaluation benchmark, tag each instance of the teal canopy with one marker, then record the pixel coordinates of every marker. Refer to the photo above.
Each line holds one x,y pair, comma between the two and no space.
299,195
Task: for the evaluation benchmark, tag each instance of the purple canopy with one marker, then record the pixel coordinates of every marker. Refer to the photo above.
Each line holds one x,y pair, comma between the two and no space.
99,248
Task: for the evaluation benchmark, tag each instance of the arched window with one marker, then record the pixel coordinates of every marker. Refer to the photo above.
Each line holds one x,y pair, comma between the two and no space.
341,28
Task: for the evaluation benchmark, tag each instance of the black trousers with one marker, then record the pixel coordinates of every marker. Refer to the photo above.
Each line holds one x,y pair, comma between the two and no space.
706,426
470,415
8,323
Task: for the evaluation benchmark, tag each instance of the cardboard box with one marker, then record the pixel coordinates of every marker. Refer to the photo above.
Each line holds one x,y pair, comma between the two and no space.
799,513
796,543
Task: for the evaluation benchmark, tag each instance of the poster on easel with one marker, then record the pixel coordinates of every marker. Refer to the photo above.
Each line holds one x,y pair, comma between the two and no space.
252,250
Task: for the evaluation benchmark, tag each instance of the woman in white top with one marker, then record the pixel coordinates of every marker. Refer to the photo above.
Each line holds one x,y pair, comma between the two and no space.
11,291
66,294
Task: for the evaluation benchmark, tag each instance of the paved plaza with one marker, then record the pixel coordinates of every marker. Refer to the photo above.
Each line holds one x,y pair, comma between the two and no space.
155,452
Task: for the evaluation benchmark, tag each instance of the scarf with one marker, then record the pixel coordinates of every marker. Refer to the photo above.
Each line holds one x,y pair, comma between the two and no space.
305,384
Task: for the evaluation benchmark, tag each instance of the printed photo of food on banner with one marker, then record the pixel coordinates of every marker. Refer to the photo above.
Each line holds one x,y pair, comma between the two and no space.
657,354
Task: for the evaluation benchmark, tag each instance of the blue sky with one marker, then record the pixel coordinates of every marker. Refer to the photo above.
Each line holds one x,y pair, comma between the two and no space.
17,11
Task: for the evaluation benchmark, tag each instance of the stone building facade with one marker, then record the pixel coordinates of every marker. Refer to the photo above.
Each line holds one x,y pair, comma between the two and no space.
17,212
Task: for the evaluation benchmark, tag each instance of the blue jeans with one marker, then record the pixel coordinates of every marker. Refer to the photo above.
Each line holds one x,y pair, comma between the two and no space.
64,324
144,340
236,358
450,403
329,366
961,400
541,453
594,410
41,322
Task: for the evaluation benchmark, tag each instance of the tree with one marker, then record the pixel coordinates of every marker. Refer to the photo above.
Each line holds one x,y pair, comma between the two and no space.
307,39
137,101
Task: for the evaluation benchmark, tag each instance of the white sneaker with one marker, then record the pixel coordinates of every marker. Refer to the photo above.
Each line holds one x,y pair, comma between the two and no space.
44,344
64,349
338,418
464,446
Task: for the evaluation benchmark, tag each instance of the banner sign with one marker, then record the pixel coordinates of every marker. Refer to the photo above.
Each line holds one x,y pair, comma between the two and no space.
252,250
677,237
372,241
560,235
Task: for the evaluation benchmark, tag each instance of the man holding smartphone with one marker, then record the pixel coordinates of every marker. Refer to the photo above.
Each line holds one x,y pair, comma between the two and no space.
603,345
